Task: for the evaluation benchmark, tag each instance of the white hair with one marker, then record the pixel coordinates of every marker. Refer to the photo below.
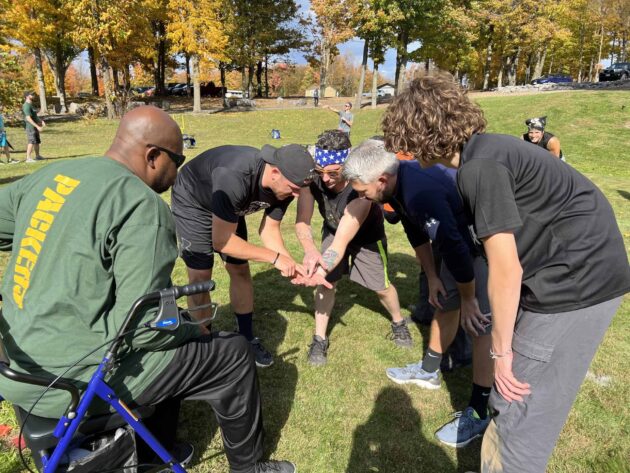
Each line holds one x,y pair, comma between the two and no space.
368,161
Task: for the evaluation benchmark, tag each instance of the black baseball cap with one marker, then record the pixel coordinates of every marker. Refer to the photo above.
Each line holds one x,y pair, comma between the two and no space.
294,161
29,92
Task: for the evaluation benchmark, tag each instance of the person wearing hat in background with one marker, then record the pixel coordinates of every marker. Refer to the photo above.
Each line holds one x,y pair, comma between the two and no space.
33,125
537,135
211,197
345,117
353,242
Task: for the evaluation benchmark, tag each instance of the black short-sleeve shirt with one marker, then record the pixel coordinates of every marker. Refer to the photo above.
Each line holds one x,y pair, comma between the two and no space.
569,245
228,181
332,205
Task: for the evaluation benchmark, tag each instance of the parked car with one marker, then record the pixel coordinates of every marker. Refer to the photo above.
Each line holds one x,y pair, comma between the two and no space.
181,89
552,79
236,94
618,71
171,86
140,90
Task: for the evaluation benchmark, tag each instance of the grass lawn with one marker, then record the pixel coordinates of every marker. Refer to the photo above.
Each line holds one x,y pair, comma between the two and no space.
347,416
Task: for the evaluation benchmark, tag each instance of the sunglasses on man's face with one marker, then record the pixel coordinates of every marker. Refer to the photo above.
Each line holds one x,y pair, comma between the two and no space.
178,159
334,173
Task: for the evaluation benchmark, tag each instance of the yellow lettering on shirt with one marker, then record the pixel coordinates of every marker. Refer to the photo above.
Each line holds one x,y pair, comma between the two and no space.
35,235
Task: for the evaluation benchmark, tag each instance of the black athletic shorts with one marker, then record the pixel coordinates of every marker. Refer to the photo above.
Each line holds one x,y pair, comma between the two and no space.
193,222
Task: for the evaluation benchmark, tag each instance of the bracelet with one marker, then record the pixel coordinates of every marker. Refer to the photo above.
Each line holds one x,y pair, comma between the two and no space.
494,355
273,263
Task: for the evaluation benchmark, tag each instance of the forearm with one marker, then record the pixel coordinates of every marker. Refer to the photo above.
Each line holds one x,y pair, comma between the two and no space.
332,256
238,248
305,237
425,258
466,290
504,293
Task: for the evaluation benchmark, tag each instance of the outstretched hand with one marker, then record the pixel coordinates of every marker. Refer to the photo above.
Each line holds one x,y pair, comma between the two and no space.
315,279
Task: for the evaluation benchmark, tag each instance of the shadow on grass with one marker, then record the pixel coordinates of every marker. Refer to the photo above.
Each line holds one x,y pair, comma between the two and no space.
392,439
624,194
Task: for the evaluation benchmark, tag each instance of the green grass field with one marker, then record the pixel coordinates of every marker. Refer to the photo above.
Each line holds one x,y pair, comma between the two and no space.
347,416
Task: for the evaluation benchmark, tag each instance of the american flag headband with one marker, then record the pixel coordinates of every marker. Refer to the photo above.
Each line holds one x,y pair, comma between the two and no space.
325,157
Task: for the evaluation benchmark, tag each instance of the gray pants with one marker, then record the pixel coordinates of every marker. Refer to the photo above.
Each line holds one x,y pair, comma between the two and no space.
552,352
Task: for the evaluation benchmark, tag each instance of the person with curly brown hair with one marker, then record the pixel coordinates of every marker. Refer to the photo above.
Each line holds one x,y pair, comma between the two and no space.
558,268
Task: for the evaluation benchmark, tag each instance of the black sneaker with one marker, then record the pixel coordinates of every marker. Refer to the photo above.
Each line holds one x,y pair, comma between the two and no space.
262,356
272,466
317,351
400,335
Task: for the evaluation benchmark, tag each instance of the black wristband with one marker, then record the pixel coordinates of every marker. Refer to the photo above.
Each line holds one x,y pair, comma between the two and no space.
273,263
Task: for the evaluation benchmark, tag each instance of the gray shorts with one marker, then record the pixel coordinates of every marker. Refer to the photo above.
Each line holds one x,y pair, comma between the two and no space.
452,300
32,136
552,352
365,264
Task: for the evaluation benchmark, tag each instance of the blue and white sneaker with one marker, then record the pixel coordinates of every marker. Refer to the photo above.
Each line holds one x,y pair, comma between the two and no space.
463,429
414,374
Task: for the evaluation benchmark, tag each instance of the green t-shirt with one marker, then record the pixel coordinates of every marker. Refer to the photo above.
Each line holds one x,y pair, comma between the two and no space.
29,111
88,238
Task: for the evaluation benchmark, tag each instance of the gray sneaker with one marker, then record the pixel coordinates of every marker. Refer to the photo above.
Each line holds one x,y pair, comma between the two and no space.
262,356
317,351
400,335
414,374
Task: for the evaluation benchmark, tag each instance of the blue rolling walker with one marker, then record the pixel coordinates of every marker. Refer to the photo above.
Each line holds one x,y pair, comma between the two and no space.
50,440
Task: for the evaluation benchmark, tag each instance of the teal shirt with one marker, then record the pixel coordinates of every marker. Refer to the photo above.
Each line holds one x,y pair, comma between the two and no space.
87,238
1,122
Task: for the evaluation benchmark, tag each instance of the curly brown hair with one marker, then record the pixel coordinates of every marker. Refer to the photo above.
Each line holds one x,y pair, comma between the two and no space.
431,119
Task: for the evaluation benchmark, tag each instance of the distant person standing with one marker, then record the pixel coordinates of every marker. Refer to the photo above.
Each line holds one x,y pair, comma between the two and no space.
33,126
345,117
4,144
537,135
316,97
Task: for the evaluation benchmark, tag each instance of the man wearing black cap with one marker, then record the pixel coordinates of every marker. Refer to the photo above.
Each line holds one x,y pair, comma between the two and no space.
33,126
537,135
211,197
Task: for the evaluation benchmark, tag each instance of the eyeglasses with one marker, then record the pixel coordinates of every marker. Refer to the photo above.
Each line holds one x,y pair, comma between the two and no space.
178,159
332,173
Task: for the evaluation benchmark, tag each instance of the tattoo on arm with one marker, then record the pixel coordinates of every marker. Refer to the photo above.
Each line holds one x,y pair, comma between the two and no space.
329,258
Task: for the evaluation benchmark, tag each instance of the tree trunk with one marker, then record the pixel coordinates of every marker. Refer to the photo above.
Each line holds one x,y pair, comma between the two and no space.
581,55
110,97
599,53
540,62
550,64
513,67
187,56
58,69
500,75
259,71
357,103
401,60
488,64
590,69
194,65
93,75
43,104
160,70
266,76
323,69
222,71
115,78
375,85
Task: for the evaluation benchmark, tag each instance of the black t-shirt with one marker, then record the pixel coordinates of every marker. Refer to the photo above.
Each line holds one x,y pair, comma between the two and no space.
332,205
228,181
568,241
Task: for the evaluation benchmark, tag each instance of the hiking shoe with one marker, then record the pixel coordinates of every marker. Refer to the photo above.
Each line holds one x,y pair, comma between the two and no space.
273,466
463,429
414,374
400,335
39,158
262,356
317,355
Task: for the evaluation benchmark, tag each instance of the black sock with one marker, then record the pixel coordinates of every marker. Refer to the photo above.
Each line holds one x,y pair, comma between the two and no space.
245,325
479,400
431,361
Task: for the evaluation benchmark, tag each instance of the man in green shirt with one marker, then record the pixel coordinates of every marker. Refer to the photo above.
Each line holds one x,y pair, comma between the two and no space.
88,237
33,125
